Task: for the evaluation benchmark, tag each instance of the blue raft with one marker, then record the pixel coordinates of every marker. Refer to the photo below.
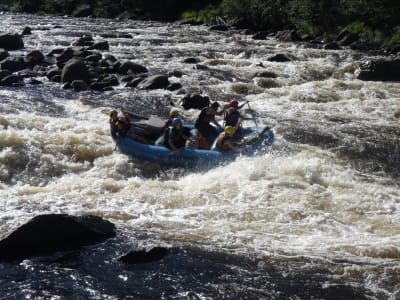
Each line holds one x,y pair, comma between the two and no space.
255,139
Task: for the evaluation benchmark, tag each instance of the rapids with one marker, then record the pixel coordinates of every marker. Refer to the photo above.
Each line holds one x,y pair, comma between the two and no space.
316,216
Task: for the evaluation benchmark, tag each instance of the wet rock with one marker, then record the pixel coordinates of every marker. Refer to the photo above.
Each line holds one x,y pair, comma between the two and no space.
134,82
262,35
79,85
191,60
154,82
331,46
11,42
27,31
56,78
380,70
100,46
265,74
13,64
85,41
33,81
174,86
281,58
288,35
195,101
34,57
75,69
397,114
10,80
348,39
219,28
95,57
128,67
53,72
4,73
175,73
100,85
47,234
3,54
143,256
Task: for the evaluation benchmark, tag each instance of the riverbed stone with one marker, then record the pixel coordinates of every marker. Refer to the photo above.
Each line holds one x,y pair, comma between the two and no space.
380,70
10,80
3,54
129,67
13,64
34,57
11,41
143,256
154,82
46,234
75,69
194,100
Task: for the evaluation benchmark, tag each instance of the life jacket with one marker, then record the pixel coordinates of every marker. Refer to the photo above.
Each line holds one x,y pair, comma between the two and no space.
177,139
231,117
119,126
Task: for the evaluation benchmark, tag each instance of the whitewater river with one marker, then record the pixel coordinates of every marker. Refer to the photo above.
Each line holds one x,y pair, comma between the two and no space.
315,217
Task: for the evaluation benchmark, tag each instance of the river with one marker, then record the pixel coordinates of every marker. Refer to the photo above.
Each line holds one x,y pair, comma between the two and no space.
317,216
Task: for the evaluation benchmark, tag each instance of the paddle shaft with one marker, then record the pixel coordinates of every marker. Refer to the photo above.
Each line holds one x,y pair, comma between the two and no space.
252,114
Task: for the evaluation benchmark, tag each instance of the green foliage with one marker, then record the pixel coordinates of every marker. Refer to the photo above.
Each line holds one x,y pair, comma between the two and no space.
202,15
394,38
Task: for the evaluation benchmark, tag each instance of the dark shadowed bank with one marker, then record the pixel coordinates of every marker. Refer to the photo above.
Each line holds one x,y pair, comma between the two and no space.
311,18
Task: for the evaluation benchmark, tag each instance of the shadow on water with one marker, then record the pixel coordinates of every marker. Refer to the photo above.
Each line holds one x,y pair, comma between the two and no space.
186,272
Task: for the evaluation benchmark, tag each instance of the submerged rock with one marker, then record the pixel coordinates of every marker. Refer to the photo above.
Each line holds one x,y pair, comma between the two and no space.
47,234
143,256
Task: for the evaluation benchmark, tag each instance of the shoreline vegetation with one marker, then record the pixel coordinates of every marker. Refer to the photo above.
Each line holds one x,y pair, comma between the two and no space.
359,24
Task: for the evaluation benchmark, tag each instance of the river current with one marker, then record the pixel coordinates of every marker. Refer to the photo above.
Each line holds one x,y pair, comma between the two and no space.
317,216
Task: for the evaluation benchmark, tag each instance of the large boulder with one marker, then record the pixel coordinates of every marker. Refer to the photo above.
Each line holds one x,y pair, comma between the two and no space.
34,57
3,54
380,70
155,82
11,41
128,67
47,234
13,64
75,69
195,101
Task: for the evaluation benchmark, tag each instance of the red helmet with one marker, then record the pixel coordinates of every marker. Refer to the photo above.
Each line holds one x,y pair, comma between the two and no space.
234,103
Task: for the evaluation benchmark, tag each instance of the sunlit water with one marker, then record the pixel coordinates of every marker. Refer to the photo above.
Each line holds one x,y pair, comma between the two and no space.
316,216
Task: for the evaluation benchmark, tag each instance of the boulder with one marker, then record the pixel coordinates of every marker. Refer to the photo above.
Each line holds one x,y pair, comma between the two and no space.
13,64
174,86
34,57
79,85
26,31
154,82
75,69
143,256
195,101
190,60
53,72
128,67
47,234
100,85
10,80
3,54
4,73
85,40
380,70
281,58
100,46
11,41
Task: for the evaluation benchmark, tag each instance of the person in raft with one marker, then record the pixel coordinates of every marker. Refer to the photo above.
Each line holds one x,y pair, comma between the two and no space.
120,126
176,136
196,141
174,113
205,117
225,141
232,117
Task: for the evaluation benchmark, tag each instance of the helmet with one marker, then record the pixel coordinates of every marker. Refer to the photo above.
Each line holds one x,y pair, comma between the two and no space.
174,113
234,103
176,121
113,111
229,130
